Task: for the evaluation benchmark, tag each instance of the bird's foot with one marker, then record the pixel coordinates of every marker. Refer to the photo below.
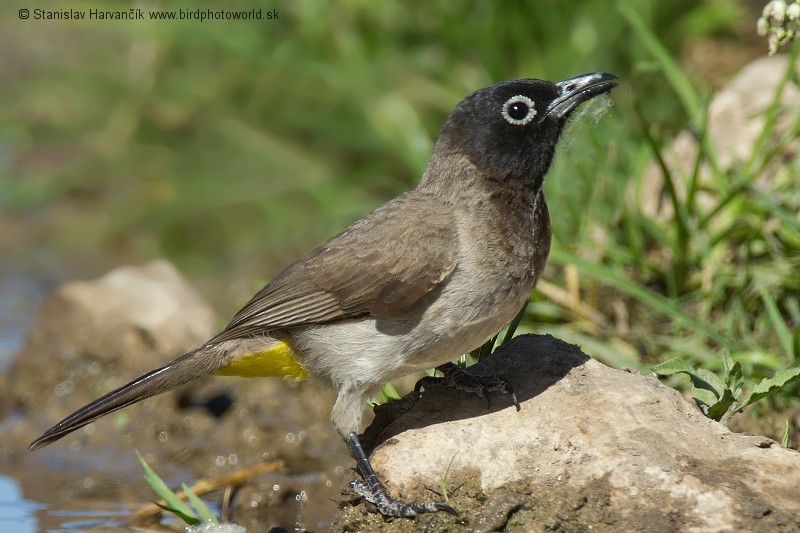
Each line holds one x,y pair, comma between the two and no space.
456,377
373,491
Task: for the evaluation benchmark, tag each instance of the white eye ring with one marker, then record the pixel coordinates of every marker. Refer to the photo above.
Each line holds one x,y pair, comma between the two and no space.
514,108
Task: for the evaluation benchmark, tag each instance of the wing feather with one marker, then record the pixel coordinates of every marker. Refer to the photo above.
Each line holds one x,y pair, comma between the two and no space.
383,265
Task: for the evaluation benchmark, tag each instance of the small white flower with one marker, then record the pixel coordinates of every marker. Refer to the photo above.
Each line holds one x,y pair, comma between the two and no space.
780,23
793,11
778,10
773,44
762,26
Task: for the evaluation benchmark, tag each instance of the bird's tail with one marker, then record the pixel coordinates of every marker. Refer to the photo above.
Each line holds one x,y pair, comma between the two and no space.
188,367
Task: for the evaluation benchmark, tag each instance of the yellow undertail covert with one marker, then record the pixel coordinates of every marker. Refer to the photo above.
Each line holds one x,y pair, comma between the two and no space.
278,361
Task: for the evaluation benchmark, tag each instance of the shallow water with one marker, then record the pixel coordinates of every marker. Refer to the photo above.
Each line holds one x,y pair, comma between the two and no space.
16,512
50,491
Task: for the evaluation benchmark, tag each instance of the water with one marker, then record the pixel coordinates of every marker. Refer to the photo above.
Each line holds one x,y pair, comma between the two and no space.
21,515
16,512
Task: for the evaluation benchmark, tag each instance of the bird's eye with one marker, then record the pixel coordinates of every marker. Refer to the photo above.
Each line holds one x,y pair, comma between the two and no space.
519,110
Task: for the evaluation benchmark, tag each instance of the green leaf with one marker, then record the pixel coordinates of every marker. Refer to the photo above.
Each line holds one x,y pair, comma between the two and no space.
727,362
673,366
200,506
702,379
718,409
704,399
512,327
191,520
710,393
389,393
734,380
174,504
768,387
486,349
705,379
734,375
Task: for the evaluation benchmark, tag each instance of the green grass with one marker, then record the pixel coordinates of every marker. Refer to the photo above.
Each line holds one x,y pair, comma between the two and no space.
232,148
195,514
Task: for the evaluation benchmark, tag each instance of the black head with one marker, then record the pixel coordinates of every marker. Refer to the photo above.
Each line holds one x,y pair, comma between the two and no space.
509,130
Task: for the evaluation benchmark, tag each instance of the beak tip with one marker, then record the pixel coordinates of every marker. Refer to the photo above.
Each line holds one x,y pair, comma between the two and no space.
579,89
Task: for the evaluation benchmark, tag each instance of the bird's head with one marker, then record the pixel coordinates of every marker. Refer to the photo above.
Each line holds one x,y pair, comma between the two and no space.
509,130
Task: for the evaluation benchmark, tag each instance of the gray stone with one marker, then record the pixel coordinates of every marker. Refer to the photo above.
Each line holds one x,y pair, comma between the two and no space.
591,446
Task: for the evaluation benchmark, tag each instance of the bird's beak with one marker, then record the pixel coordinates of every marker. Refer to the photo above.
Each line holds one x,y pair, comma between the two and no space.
575,91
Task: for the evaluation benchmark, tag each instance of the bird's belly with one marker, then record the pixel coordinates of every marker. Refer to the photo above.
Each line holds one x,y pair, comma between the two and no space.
457,329
370,351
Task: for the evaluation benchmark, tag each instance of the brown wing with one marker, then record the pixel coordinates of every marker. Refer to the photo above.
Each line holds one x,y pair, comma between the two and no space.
381,266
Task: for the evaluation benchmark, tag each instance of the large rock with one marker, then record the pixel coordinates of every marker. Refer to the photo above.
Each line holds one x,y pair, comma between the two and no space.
592,448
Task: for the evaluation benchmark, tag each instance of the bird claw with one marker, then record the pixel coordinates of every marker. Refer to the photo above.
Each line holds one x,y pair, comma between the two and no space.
388,506
372,490
456,377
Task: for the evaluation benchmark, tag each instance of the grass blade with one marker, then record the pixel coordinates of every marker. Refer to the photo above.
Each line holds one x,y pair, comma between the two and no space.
512,327
200,506
161,489
778,324
612,278
677,79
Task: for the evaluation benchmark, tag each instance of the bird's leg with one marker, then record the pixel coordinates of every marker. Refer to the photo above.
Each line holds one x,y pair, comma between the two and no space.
373,491
458,378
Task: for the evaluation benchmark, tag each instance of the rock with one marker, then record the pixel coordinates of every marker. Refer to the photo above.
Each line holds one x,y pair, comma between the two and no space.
91,336
591,446
735,121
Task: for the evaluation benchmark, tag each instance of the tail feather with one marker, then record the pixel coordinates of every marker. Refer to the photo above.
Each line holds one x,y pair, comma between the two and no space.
185,368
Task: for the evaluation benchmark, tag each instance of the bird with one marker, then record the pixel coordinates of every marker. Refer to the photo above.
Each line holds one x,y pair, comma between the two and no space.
427,277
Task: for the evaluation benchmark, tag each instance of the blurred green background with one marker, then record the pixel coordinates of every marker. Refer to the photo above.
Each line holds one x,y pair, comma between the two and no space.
233,147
